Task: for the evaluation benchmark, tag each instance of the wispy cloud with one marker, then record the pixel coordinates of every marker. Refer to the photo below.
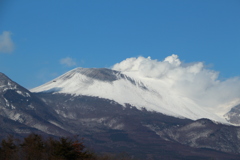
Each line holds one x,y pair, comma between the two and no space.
6,43
69,62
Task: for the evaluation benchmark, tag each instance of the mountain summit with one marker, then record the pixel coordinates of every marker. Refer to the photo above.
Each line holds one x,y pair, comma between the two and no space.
151,94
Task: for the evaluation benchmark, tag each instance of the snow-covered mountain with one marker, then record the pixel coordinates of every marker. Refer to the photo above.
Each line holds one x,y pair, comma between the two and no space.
23,112
112,125
130,88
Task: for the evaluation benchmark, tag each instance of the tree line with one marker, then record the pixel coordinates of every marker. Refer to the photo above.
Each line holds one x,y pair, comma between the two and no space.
35,147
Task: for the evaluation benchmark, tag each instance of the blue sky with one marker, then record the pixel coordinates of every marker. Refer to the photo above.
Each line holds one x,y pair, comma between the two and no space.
40,40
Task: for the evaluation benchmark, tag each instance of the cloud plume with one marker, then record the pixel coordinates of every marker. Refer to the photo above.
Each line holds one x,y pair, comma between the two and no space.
6,43
69,62
192,80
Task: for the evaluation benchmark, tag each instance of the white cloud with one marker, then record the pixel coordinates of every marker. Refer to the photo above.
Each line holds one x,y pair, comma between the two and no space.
191,80
6,43
68,62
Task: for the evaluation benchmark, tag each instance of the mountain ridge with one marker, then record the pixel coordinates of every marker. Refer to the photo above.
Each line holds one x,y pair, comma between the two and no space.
20,105
126,89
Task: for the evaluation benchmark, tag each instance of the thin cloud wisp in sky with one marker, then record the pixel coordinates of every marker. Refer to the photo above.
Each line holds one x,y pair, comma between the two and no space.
69,62
6,43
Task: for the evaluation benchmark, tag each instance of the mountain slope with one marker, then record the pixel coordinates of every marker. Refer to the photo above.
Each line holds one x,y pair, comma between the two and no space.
146,93
233,115
109,127
20,105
